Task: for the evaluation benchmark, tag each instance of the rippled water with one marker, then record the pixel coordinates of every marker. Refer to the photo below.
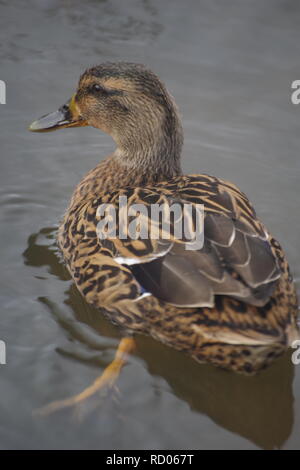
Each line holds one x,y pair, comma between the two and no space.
229,66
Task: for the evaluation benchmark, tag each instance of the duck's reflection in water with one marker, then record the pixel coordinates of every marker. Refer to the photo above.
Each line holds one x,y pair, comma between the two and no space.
258,408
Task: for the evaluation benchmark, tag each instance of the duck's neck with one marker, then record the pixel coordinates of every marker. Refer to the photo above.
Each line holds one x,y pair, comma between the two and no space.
152,157
153,153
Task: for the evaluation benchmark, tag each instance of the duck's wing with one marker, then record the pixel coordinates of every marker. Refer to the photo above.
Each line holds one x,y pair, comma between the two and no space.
235,260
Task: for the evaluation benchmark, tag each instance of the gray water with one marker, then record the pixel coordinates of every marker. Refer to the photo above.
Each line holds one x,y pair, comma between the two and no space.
229,66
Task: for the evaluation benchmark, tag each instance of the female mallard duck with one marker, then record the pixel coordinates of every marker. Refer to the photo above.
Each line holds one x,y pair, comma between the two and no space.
231,303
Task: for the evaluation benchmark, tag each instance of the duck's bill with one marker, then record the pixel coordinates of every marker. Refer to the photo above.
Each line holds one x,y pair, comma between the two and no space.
66,116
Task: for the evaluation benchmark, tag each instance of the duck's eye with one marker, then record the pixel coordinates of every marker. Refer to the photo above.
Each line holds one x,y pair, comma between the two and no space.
97,88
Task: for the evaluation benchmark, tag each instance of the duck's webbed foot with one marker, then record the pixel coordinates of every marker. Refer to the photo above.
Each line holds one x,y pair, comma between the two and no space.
106,380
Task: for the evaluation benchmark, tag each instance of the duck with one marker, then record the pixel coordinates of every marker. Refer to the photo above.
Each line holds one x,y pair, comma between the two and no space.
230,302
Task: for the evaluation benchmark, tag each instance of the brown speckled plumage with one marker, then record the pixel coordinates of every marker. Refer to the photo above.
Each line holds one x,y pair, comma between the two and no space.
131,104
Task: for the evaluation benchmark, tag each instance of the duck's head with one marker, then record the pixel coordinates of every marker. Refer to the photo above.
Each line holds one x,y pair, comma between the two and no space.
125,100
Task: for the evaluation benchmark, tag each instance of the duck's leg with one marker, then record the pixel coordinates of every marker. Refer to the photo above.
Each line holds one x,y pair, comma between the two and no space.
106,380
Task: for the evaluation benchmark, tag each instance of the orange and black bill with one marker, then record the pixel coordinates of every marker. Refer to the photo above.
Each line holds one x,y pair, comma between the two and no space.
66,116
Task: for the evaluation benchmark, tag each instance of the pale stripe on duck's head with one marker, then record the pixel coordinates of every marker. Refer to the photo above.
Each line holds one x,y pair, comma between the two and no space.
129,77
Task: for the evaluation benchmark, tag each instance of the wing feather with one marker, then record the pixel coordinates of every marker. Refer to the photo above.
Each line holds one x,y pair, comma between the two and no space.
236,259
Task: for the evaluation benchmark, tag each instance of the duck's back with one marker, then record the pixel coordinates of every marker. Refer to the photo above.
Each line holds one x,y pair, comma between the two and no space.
235,290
